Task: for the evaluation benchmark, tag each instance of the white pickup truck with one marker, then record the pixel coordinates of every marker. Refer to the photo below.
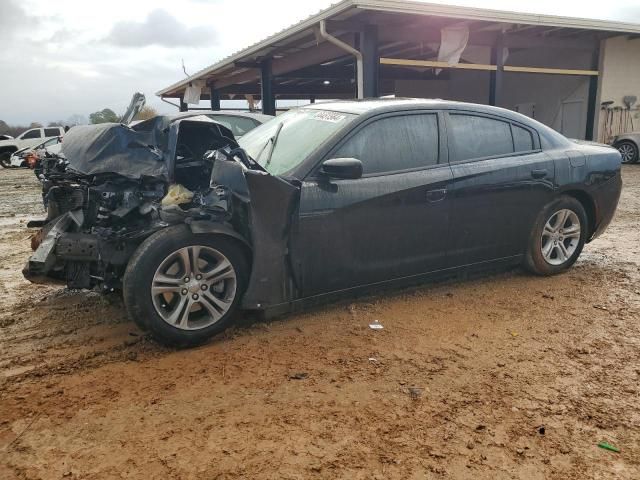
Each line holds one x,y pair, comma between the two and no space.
30,138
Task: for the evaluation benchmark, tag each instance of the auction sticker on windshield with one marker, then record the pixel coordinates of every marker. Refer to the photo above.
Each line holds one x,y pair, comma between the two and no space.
332,117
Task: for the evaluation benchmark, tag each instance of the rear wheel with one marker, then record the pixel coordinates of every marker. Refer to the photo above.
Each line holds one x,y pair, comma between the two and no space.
184,288
628,151
558,237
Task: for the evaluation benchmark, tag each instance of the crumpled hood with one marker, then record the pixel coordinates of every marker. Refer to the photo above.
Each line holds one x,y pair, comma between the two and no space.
116,148
144,150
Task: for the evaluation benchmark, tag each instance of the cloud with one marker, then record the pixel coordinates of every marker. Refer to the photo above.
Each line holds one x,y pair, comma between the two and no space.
159,28
13,18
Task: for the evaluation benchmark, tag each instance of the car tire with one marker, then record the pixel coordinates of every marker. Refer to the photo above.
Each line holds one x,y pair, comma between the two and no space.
5,159
558,237
629,152
171,287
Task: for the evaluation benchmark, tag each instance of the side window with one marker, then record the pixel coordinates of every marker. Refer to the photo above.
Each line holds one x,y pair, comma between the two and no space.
395,143
473,136
35,133
522,139
51,132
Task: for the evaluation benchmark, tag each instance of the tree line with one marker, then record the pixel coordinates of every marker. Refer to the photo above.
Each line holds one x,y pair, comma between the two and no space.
105,115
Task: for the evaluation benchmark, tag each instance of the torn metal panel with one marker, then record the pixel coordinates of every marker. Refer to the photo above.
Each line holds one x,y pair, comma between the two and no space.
273,202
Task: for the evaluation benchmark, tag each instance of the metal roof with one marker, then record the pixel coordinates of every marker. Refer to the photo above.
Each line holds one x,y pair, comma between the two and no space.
409,7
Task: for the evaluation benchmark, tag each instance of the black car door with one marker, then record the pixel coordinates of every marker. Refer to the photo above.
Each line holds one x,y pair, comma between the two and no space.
502,180
391,223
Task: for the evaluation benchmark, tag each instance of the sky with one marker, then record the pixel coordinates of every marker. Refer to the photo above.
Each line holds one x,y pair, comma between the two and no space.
74,57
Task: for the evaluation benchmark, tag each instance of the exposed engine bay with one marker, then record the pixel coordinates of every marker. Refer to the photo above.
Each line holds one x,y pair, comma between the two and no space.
113,186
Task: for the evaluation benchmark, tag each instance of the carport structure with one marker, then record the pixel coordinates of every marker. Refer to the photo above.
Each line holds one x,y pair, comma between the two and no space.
552,68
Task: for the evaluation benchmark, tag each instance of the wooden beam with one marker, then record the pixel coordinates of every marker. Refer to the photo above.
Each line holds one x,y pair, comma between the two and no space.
551,71
489,68
434,64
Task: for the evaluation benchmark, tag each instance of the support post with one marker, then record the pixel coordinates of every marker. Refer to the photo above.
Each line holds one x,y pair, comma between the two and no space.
214,96
370,60
183,106
312,99
592,107
266,87
497,76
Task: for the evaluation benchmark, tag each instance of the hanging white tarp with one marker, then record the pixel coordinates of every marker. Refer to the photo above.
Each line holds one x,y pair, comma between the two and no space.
453,41
193,91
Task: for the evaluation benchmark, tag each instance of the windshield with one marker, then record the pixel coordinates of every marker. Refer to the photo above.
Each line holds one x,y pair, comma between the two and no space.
298,133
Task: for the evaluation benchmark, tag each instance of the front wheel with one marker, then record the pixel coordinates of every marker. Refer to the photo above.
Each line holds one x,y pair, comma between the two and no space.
183,287
558,237
5,159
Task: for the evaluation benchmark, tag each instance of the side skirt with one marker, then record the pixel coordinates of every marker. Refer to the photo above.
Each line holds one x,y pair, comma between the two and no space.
462,272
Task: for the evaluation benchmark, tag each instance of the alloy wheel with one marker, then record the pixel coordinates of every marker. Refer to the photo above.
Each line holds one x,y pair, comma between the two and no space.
628,153
561,237
194,287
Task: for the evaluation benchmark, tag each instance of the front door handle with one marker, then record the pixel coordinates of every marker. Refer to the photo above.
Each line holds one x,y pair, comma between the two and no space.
539,173
436,195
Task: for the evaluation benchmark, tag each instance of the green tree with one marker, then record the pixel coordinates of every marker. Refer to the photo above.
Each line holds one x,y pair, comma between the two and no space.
104,116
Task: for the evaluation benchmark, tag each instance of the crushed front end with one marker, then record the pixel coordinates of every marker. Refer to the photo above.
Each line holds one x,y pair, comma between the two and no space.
114,186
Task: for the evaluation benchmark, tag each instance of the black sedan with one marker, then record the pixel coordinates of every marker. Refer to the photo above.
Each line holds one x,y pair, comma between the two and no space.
338,198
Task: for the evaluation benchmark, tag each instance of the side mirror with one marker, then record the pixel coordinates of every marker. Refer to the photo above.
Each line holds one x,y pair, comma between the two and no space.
345,168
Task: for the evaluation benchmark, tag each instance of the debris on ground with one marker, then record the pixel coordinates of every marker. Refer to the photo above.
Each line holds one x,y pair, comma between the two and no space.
376,325
609,447
415,392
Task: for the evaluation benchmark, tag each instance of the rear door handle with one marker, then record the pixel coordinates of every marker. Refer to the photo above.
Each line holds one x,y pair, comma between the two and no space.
436,195
539,173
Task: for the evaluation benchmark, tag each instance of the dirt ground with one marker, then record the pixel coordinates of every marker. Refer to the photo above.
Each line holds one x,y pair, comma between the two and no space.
503,376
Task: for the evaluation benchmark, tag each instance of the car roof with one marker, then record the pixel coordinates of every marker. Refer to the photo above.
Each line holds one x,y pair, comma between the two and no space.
381,105
371,107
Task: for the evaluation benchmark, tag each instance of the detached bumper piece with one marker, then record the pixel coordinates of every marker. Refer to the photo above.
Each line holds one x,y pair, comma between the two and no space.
44,258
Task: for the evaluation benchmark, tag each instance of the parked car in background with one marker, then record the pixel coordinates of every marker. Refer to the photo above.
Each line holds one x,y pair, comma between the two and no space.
628,145
29,156
30,138
321,202
238,122
5,137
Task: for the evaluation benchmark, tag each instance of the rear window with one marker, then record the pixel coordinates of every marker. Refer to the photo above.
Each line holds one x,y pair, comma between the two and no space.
51,132
473,136
522,139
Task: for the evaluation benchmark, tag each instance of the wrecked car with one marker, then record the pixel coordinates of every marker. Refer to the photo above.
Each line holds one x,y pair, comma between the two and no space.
29,157
30,138
321,202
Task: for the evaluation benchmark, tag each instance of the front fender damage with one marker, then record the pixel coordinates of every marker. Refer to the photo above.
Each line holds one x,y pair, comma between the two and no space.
96,221
269,206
